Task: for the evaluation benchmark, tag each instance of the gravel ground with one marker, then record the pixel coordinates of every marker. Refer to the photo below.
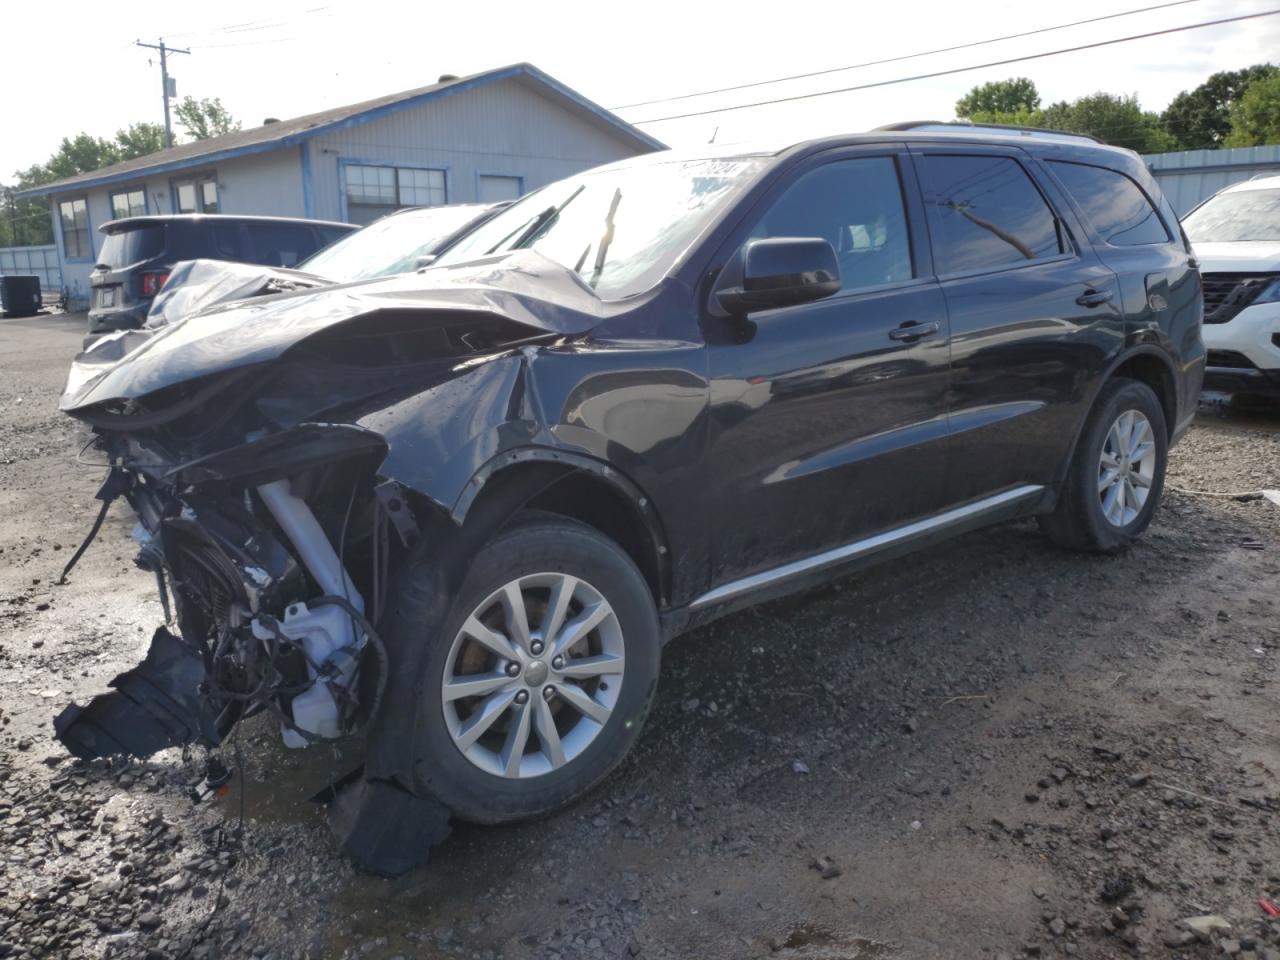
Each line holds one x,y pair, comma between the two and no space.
991,749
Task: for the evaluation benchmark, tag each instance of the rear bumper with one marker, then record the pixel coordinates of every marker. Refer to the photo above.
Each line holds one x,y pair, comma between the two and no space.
118,318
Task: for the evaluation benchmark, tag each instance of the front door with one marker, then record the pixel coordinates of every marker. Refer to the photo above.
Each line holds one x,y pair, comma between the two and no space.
828,419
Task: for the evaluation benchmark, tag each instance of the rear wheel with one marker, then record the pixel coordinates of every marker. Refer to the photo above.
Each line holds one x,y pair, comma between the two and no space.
1116,475
537,680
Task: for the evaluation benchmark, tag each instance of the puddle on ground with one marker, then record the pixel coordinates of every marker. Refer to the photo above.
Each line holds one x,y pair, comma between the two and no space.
817,943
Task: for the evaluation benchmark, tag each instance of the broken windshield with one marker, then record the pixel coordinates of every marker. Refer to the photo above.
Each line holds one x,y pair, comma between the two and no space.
620,228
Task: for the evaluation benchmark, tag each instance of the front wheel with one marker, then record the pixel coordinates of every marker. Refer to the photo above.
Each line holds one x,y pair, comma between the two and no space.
1116,475
536,681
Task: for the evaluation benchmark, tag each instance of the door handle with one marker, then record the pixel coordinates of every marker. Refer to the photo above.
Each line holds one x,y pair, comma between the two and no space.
912,331
1093,298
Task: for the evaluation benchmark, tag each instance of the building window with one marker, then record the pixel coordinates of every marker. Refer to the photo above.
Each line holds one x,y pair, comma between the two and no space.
199,195
375,191
493,188
131,203
75,229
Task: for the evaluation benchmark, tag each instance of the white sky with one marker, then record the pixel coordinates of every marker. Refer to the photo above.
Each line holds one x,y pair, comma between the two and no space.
80,70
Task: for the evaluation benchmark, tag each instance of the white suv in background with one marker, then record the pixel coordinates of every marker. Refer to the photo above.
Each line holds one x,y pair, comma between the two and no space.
1236,236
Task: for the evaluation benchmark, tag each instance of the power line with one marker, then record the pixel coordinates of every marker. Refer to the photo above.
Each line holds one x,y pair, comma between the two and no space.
955,70
906,56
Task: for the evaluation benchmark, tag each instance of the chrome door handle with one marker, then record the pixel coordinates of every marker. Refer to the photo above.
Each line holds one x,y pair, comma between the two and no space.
1093,298
912,331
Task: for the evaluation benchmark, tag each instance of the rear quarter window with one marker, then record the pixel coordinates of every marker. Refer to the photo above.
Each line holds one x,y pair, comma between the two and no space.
1117,207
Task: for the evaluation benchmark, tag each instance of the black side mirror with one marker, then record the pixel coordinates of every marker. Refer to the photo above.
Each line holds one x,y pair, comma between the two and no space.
781,272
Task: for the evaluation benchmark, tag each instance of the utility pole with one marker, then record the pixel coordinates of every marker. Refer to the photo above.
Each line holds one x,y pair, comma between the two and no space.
170,89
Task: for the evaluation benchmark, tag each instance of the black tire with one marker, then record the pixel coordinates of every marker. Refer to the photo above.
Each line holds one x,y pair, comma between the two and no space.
1078,521
422,631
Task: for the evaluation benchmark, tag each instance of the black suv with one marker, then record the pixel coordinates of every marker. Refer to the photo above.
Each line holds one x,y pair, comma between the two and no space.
139,252
464,508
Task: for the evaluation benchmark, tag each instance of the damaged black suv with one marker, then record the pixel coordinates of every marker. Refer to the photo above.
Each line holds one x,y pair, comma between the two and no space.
461,510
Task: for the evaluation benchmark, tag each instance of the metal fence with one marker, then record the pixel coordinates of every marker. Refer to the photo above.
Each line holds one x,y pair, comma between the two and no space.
1190,176
40,261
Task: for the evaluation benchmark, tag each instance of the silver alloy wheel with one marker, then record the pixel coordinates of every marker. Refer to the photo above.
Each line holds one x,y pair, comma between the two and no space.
1126,468
533,675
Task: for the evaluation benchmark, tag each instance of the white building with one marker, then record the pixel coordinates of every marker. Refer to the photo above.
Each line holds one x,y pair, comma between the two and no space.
489,136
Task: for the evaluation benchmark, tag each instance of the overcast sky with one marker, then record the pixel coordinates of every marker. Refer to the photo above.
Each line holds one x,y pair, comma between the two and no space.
72,66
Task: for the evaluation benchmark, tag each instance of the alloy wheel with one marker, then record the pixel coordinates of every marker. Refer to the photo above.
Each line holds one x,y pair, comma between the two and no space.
533,675
1126,468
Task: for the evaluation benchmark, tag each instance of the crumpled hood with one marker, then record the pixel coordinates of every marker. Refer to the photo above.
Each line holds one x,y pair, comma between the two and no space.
198,284
1248,256
524,287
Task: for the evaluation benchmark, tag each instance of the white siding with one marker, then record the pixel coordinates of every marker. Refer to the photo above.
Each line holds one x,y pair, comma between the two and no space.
505,128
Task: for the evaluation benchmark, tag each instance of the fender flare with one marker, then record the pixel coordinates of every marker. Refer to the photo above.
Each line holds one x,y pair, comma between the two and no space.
572,461
1119,360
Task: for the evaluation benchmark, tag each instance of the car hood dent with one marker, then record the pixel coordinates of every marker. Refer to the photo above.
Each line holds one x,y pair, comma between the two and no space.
1251,256
524,287
196,285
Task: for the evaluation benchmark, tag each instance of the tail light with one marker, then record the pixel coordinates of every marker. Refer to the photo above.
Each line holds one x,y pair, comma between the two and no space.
152,282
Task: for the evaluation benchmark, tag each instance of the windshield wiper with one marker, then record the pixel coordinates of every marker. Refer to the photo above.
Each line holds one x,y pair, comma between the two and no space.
605,239
535,228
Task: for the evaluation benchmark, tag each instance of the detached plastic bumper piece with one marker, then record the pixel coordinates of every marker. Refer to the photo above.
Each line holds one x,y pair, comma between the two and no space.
155,705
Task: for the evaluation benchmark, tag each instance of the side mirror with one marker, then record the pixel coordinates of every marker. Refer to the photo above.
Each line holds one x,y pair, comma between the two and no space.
782,272
425,260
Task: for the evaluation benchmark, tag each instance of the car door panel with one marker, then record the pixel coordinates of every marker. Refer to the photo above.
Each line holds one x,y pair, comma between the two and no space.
1028,336
827,422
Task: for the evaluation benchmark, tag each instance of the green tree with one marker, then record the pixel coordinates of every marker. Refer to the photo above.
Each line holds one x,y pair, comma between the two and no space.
23,222
1118,120
139,139
999,96
205,118
1255,117
1201,119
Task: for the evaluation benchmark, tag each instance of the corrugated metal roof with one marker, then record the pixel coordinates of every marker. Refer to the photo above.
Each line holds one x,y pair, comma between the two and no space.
272,136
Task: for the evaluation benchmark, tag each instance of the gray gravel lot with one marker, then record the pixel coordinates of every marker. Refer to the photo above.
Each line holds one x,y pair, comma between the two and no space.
990,749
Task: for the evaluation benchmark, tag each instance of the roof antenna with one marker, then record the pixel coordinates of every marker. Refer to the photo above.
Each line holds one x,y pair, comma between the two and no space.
713,135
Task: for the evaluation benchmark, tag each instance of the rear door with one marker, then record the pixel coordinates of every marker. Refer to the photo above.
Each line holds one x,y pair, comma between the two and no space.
1034,315
828,419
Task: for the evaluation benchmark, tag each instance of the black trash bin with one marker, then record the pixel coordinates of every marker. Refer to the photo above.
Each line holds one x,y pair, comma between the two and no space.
20,295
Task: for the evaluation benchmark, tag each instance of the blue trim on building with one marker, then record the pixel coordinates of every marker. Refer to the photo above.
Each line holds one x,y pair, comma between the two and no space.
308,200
357,119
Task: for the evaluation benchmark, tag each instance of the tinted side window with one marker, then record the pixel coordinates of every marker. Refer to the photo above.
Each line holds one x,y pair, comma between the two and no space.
1114,204
281,244
985,212
228,242
856,205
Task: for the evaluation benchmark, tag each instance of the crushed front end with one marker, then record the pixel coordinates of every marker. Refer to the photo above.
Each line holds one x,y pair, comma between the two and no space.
242,546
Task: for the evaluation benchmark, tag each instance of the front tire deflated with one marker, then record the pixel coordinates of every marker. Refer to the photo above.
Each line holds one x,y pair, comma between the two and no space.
522,690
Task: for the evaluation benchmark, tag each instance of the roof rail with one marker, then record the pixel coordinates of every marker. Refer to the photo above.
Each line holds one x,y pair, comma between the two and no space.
961,126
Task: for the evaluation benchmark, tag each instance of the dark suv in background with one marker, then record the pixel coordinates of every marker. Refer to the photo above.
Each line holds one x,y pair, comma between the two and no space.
633,401
139,252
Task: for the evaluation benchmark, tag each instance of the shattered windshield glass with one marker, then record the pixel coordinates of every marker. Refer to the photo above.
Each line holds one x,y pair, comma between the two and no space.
1236,217
621,228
